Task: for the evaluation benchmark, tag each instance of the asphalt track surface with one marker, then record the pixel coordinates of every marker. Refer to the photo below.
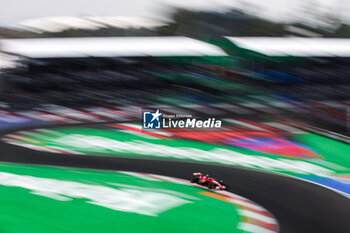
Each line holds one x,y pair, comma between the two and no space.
299,206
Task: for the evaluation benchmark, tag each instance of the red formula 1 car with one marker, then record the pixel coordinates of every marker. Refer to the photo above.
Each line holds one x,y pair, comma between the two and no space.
206,180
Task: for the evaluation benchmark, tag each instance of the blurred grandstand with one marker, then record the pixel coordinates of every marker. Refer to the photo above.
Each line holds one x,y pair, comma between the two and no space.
285,78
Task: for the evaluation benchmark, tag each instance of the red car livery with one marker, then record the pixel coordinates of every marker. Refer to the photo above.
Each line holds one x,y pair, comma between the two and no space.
208,181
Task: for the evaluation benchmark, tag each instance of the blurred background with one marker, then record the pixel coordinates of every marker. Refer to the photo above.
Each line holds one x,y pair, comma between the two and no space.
106,60
276,72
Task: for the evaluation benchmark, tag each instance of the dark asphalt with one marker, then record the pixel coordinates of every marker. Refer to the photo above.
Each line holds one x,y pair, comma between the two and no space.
300,207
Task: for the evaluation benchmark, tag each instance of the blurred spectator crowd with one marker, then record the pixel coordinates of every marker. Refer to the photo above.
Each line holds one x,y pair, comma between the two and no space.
311,90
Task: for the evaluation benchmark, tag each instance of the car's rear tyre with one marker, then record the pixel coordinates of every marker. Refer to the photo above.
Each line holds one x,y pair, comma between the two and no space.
194,180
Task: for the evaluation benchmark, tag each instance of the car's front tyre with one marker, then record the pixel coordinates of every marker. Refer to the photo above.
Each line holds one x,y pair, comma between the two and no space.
211,185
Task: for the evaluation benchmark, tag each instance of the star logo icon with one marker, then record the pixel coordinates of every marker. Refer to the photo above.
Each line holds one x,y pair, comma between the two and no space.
151,119
156,115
